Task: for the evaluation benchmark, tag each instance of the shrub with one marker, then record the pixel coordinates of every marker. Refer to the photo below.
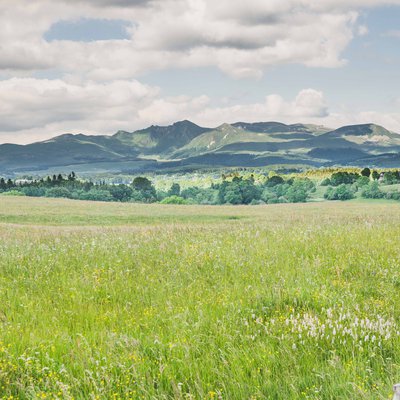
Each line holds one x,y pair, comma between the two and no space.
326,182
174,200
363,181
372,191
33,191
97,195
58,191
274,180
342,192
13,193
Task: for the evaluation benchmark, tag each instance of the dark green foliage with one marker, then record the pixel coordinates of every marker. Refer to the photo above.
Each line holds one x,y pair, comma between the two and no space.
393,196
343,177
120,192
391,177
201,196
58,192
375,175
366,172
363,181
372,191
341,192
97,195
175,190
274,180
234,189
326,182
143,190
238,191
34,191
292,191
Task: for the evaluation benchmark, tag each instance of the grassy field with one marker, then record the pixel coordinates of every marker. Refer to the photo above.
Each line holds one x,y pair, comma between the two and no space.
125,301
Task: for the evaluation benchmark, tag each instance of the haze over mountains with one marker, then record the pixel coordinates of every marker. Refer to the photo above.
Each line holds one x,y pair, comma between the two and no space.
185,144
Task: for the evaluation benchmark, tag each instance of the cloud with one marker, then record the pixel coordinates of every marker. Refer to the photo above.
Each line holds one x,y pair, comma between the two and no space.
37,109
36,103
308,104
44,108
242,39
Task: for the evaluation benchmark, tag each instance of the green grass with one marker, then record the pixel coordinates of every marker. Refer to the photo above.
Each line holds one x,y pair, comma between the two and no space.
101,300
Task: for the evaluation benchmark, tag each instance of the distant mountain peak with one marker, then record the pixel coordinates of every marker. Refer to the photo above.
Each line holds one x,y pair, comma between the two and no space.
183,143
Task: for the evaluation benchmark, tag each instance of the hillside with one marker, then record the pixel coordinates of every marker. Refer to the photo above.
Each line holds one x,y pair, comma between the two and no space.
186,144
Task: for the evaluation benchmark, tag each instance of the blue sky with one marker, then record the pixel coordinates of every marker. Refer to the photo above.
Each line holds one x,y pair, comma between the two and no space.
100,66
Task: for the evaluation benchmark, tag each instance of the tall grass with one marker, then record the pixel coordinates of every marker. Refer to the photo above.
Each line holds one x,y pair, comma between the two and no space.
271,302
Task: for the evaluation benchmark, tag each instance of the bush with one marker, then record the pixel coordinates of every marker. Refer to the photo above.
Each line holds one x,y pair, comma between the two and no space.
33,191
326,182
372,191
342,192
339,178
13,193
363,181
393,196
58,192
174,200
274,180
96,195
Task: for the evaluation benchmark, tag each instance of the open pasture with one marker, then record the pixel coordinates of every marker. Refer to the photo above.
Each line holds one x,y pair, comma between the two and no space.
129,301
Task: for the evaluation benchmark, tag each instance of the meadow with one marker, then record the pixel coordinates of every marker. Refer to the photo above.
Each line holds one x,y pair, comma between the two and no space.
134,301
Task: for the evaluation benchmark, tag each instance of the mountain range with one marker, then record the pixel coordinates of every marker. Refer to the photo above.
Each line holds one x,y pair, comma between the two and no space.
186,145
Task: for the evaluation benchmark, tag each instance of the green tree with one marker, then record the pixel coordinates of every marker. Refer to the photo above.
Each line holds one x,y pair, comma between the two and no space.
375,175
174,200
372,191
175,190
366,172
341,192
143,190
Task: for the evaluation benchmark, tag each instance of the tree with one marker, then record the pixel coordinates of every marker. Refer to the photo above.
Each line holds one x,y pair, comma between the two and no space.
325,182
58,192
372,191
375,175
274,180
175,190
72,176
343,177
341,192
120,192
143,190
140,183
366,172
390,178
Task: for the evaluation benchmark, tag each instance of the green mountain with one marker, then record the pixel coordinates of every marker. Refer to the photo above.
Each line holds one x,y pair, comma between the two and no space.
66,149
158,140
185,144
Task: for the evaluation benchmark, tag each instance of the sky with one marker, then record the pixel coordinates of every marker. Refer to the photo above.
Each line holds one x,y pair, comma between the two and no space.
99,66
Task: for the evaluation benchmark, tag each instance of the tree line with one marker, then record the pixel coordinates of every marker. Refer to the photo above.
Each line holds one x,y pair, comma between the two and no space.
233,189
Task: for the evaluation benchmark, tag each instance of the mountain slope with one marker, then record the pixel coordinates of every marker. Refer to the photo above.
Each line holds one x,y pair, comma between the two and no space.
186,144
161,139
64,150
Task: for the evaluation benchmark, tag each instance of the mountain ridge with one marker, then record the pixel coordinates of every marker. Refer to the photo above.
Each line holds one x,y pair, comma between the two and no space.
184,143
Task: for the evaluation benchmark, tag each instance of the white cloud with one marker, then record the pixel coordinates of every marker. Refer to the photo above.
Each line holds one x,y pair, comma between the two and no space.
240,38
37,109
99,91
